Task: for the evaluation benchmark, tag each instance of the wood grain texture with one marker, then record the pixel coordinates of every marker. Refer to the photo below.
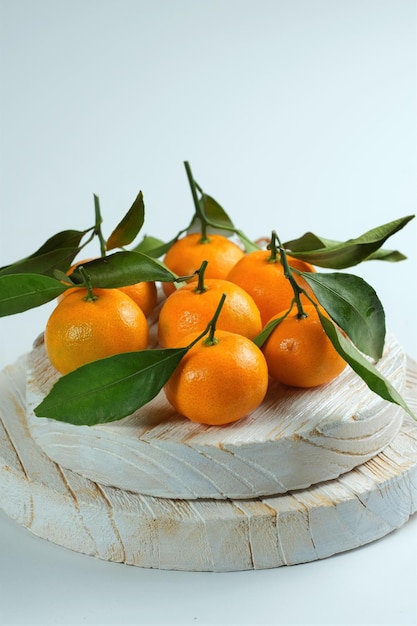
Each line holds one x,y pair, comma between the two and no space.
296,438
208,535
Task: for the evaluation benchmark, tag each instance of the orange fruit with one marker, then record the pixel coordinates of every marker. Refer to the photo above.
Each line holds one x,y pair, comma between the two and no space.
299,353
266,283
187,254
219,383
144,294
81,330
188,310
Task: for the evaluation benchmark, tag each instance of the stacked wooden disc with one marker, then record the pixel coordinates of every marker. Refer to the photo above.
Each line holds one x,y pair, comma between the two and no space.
307,475
296,438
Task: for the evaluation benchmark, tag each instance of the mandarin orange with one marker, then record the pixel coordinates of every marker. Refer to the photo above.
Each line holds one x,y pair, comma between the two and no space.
299,353
187,254
188,309
80,329
220,382
265,281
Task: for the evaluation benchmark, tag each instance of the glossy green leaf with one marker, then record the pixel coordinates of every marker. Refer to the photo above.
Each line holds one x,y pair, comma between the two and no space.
123,268
368,372
44,264
391,256
355,307
219,223
154,247
214,212
260,339
58,252
64,239
128,228
218,220
110,389
340,255
20,292
309,242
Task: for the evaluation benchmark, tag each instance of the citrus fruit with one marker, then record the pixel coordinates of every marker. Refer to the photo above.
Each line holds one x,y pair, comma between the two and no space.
188,309
186,255
144,294
299,353
265,281
80,330
219,383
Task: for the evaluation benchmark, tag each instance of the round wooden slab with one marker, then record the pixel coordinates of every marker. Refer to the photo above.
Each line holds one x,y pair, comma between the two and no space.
296,438
208,535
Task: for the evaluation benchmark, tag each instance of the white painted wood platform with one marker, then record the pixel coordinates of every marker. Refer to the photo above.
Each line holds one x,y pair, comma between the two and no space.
208,535
296,438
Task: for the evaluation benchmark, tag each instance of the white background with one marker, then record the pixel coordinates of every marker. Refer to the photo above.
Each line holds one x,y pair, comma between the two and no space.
295,115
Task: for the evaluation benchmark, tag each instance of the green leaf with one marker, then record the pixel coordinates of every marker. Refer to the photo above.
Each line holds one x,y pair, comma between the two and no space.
260,339
340,255
154,247
63,239
58,252
214,212
44,264
218,221
110,389
355,307
309,242
392,256
20,292
126,231
368,372
123,268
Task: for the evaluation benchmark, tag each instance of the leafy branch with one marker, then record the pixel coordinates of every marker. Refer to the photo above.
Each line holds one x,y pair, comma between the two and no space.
341,255
356,326
209,217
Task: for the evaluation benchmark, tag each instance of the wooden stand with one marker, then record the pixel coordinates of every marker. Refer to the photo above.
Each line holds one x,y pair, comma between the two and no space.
294,439
62,506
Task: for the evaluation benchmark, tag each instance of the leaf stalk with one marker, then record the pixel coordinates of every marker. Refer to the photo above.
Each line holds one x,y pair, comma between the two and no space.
289,275
97,227
201,288
90,297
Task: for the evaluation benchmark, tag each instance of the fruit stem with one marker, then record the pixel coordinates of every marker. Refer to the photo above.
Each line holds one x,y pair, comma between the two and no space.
205,221
210,328
274,248
211,339
90,297
198,210
97,227
201,288
289,275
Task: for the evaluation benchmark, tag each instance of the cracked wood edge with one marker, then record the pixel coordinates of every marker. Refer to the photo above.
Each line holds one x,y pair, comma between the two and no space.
208,535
